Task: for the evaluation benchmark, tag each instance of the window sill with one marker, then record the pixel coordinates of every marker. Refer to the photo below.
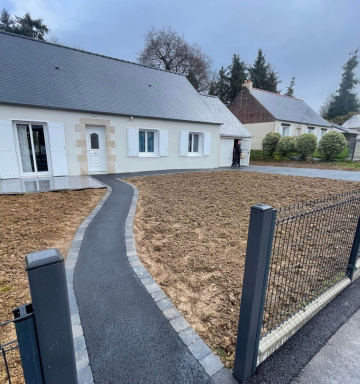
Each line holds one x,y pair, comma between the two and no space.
148,155
190,154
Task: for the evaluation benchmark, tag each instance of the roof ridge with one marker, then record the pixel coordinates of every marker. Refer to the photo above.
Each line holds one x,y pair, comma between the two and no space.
277,94
87,52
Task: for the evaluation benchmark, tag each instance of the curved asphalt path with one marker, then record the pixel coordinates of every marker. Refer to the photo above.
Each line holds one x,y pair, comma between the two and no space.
128,338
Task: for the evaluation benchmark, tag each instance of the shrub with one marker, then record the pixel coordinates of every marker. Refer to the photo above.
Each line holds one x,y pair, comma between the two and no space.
270,142
285,145
306,144
332,144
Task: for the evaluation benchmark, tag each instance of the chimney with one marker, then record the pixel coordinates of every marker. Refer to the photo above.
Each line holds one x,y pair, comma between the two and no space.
248,84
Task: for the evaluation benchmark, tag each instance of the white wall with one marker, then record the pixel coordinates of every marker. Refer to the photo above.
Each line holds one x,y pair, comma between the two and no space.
259,130
123,162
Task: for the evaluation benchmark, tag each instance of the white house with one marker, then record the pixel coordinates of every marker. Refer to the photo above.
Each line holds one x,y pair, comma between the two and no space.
65,111
262,112
230,132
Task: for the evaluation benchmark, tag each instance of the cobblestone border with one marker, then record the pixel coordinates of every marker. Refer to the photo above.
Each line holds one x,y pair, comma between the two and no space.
198,348
83,368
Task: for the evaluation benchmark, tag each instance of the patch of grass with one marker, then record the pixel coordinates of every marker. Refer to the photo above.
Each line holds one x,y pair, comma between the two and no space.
5,288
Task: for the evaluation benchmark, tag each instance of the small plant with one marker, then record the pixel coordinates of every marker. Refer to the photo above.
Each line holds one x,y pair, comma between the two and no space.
270,142
306,144
285,145
332,144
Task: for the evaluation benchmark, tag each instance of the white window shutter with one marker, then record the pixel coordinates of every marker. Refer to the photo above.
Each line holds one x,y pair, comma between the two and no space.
58,149
207,143
290,131
133,142
184,143
280,130
163,143
8,160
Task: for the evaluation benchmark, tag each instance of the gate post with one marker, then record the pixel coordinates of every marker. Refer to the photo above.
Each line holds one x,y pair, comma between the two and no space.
48,289
258,253
354,252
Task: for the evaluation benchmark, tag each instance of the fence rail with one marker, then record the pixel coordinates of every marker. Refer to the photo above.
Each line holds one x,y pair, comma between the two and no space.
310,253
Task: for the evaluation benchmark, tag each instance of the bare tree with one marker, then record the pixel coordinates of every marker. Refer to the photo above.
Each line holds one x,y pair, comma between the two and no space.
166,49
324,109
55,40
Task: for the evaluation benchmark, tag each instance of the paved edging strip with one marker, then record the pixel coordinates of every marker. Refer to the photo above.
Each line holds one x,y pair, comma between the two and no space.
198,348
83,368
280,335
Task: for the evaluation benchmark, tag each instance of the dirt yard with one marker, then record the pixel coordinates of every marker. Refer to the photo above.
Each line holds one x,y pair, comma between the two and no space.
191,234
339,166
31,223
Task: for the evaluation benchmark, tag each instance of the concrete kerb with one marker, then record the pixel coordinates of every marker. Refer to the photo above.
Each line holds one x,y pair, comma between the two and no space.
198,348
81,355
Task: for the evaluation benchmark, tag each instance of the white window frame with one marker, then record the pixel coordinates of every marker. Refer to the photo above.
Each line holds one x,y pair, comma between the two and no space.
47,146
285,129
322,132
200,144
156,142
311,130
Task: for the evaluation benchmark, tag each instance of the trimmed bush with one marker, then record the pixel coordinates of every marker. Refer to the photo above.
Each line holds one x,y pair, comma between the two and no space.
270,142
285,145
332,144
306,144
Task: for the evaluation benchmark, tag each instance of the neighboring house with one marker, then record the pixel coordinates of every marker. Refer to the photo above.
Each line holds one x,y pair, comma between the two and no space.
231,130
351,138
65,111
262,112
353,123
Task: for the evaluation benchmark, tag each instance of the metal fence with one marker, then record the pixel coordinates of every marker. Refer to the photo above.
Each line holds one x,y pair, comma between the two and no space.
310,253
294,255
10,366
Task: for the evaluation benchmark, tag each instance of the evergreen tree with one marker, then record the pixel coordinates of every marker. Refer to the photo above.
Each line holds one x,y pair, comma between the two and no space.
6,21
222,86
24,26
290,88
272,81
237,77
212,89
345,101
259,71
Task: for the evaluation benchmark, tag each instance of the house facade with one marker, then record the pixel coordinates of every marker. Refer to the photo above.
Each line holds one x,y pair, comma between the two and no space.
262,112
68,112
230,132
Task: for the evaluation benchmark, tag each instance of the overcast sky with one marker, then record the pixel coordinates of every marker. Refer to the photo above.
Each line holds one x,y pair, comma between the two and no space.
308,39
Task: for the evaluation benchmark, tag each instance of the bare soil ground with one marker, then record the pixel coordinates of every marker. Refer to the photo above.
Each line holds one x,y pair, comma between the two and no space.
339,166
31,223
191,234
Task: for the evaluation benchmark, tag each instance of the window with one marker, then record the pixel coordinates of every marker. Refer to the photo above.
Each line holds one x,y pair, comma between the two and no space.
32,145
94,141
311,130
148,142
285,130
322,132
194,143
298,132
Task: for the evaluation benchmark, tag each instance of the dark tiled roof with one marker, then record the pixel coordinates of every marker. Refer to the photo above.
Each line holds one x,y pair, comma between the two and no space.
231,125
88,82
287,108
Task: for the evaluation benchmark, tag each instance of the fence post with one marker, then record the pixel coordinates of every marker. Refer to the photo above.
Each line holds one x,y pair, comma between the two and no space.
28,345
258,253
354,252
48,289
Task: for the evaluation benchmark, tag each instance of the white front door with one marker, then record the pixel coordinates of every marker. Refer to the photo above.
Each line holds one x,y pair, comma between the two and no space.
226,152
245,147
96,149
